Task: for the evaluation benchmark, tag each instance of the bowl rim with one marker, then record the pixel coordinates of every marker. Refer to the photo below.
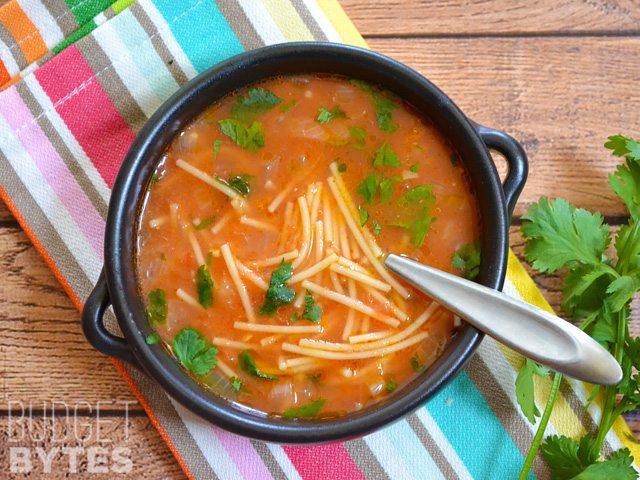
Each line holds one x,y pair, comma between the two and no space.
119,260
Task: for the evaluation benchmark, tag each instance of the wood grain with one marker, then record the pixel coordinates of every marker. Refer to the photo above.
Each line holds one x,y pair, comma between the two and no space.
447,18
149,456
5,214
561,97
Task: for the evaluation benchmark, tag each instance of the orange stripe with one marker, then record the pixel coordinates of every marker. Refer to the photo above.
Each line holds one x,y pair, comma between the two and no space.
23,31
4,74
78,304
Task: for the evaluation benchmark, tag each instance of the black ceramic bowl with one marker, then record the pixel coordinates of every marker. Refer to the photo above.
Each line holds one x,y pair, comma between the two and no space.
117,285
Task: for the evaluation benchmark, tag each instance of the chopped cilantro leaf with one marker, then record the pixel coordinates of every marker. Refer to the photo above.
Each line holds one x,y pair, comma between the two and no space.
278,294
295,316
153,338
240,183
414,214
248,364
157,307
256,102
248,137
416,364
391,385
386,156
155,178
204,224
312,311
383,106
309,410
359,136
364,215
414,168
236,383
314,377
326,116
194,352
467,259
377,228
288,106
204,284
368,187
216,148
342,167
453,158
209,258
386,188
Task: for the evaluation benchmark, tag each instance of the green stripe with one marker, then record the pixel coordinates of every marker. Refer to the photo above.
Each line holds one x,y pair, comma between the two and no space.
85,10
74,37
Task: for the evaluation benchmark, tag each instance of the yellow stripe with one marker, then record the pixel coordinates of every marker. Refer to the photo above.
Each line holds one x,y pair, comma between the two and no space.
342,23
289,22
565,421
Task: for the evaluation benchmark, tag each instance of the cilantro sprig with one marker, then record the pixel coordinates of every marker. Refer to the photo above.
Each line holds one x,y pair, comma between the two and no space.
194,352
204,285
325,116
248,364
278,294
304,411
598,289
157,307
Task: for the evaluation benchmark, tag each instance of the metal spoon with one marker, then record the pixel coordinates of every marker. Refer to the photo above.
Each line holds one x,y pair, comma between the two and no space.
529,330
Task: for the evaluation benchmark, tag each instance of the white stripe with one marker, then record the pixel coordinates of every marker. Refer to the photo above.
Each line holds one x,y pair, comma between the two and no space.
167,36
211,448
322,21
126,68
44,22
100,18
384,451
261,20
50,204
9,62
79,155
441,440
283,460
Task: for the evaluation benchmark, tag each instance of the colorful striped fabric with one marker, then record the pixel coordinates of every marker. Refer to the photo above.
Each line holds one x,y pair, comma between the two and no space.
67,118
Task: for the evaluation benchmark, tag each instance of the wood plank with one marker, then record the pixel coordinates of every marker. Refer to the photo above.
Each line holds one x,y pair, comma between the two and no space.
144,452
443,17
5,214
561,97
43,353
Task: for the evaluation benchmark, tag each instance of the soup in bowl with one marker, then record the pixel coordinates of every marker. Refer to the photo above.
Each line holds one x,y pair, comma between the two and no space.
248,228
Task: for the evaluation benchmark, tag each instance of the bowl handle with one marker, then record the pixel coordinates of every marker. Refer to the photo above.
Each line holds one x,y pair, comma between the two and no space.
95,331
516,160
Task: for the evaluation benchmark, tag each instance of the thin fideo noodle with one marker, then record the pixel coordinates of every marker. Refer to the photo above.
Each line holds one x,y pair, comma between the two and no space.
295,248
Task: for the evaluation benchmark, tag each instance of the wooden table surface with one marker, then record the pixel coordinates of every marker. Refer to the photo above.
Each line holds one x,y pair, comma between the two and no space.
558,75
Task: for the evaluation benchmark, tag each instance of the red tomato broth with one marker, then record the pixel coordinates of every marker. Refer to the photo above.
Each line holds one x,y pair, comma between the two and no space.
299,149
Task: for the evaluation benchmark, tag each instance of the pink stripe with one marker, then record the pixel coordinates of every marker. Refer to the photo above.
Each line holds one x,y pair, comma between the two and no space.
53,168
243,454
87,110
324,461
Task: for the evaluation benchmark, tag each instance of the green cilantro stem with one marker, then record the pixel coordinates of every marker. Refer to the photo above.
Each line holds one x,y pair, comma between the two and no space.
542,427
608,416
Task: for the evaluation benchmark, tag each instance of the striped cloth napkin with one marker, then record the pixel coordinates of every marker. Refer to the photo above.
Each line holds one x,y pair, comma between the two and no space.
80,78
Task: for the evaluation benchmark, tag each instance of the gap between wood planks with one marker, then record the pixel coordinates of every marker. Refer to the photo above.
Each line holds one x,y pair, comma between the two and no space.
481,35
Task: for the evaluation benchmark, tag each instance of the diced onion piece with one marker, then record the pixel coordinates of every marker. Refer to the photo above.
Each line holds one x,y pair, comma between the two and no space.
409,175
217,184
235,276
379,352
349,302
157,222
258,327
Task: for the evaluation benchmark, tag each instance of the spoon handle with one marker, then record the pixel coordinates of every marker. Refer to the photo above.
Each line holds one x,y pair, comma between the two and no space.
529,330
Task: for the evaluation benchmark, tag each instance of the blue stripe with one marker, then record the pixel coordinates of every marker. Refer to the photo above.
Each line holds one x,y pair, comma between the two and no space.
410,449
475,432
202,32
146,60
